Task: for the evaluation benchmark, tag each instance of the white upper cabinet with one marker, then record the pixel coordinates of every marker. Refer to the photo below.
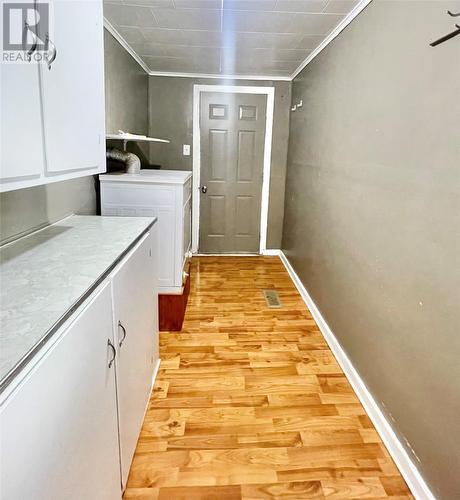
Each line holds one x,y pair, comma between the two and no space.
20,125
20,116
52,116
73,89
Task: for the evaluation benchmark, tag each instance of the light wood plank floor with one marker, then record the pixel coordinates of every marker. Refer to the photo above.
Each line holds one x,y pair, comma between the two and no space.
250,403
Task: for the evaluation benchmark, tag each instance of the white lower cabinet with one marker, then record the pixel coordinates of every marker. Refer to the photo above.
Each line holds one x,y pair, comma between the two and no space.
69,427
135,320
62,439
167,195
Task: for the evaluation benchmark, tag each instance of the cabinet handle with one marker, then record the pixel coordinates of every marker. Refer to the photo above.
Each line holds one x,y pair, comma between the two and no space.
124,333
114,352
24,41
50,59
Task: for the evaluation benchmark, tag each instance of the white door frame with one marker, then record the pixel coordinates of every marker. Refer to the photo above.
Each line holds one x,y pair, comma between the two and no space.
236,89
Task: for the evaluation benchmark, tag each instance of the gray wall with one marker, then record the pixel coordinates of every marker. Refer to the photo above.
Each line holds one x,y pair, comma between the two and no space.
126,95
372,215
171,117
24,210
126,108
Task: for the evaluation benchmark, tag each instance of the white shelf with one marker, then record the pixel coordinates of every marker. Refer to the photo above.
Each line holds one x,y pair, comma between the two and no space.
126,137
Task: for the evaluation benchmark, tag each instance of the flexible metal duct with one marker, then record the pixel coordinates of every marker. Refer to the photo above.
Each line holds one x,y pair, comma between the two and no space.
131,161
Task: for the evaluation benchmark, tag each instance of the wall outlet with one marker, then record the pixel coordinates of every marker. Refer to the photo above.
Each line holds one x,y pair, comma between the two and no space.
186,150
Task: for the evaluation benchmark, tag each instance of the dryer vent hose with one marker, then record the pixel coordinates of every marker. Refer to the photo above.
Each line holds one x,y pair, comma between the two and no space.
131,161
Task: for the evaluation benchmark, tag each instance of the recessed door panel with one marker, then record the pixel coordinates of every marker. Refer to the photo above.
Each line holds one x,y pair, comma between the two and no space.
246,155
248,113
232,156
218,154
244,220
217,209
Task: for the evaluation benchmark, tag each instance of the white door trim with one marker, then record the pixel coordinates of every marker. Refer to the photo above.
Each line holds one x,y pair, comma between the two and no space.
236,89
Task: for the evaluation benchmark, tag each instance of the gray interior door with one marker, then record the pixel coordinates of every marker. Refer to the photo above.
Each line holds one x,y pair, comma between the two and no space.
232,157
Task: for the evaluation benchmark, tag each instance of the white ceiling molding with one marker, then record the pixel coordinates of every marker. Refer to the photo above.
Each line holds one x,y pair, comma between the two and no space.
222,77
110,28
334,33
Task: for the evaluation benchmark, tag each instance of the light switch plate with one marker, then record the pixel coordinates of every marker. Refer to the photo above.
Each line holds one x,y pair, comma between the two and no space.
186,150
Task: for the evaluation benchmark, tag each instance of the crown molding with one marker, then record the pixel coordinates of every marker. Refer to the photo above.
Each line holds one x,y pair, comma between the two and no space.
112,30
221,77
333,34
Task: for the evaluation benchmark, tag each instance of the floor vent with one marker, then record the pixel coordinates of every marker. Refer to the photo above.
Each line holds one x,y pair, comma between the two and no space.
272,299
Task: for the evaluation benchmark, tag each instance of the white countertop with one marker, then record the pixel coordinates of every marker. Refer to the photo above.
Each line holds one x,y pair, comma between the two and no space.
45,274
149,177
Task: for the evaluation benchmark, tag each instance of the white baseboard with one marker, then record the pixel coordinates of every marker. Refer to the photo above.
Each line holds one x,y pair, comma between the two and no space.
155,373
401,457
225,254
268,251
272,251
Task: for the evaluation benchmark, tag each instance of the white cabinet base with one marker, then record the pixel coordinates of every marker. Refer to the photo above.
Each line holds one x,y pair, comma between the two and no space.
165,194
59,436
70,421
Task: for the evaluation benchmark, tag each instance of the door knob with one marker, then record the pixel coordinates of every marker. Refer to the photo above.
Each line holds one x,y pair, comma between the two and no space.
204,189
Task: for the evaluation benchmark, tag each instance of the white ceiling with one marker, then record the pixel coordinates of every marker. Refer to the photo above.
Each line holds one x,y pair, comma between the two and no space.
228,37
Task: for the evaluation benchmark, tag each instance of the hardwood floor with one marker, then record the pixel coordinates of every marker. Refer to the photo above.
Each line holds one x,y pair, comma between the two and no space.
250,403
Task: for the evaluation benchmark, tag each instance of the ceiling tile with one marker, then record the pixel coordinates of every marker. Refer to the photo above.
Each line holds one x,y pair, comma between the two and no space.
266,67
264,40
301,5
198,4
340,6
193,53
204,38
314,24
250,4
251,21
128,15
179,65
255,55
259,37
158,4
193,19
310,41
158,35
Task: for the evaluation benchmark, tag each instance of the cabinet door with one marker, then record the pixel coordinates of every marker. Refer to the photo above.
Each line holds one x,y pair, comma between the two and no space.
73,89
135,318
59,436
21,149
